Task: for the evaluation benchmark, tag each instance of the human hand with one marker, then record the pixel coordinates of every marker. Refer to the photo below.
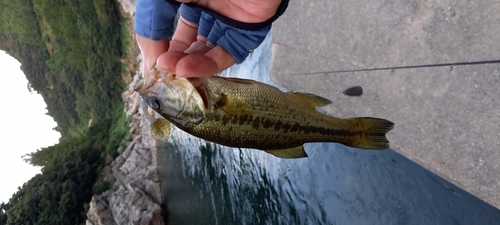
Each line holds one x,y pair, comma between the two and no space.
150,50
190,54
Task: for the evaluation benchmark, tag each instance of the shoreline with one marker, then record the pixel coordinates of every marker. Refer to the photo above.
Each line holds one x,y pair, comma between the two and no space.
135,193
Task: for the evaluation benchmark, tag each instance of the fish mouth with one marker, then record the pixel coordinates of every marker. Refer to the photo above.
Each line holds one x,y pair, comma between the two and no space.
170,96
200,89
147,88
203,95
146,82
153,77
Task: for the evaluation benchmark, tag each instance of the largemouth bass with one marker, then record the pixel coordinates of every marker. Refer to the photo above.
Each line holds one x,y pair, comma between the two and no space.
249,114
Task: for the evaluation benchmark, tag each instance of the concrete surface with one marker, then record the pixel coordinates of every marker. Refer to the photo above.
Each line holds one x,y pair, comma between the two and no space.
447,118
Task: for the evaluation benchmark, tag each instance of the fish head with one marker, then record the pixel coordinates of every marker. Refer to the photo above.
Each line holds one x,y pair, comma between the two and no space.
175,99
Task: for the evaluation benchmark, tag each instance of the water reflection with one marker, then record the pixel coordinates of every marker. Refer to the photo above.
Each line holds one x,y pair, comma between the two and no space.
205,183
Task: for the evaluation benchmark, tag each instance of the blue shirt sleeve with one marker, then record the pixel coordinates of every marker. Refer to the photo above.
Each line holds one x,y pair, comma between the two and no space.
238,42
155,19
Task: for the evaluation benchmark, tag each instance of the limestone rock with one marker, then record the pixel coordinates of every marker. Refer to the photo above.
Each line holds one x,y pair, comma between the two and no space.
99,212
135,197
132,205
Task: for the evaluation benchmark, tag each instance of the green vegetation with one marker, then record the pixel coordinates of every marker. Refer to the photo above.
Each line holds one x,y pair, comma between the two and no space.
58,195
70,51
124,35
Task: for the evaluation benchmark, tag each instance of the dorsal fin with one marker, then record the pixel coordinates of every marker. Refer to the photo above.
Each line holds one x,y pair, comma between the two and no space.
238,80
313,100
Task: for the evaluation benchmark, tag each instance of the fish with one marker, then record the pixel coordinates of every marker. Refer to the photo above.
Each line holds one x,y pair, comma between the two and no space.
249,114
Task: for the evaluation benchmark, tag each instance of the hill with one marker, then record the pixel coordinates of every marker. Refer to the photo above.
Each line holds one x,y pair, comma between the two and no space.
71,52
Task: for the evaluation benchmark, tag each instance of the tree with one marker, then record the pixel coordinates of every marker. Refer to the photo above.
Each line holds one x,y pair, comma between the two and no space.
70,52
3,213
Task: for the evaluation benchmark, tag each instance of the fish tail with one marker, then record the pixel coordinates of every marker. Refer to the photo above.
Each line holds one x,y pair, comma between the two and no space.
373,131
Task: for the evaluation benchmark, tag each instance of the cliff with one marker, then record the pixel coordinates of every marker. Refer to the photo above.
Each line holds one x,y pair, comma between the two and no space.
135,196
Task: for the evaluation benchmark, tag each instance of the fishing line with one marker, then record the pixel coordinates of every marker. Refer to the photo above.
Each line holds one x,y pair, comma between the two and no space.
405,67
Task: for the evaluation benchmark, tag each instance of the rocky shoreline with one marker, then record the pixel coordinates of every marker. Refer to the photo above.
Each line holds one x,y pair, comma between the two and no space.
135,196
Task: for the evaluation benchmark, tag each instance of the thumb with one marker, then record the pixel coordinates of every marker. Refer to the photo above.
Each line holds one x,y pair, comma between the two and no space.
150,50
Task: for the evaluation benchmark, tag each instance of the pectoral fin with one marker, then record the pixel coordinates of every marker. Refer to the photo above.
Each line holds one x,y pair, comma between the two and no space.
234,107
313,100
161,129
289,153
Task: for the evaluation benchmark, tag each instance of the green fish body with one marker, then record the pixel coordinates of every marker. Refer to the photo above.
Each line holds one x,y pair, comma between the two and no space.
249,114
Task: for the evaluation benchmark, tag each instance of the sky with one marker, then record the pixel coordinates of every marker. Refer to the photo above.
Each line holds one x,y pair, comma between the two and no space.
25,127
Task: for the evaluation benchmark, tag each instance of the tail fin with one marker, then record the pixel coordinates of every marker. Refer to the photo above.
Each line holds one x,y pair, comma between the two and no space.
373,132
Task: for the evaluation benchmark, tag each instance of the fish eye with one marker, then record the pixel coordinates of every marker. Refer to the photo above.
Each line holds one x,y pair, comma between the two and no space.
154,102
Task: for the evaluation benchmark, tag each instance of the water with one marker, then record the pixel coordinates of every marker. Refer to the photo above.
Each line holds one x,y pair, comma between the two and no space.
205,183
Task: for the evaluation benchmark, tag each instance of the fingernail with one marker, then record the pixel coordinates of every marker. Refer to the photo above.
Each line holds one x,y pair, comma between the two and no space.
164,68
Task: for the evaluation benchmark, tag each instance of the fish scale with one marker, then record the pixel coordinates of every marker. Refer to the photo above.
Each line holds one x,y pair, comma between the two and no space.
266,135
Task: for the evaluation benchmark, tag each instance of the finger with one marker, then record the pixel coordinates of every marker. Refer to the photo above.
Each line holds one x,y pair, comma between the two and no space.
167,61
199,48
222,57
184,35
194,46
150,50
196,65
202,49
198,45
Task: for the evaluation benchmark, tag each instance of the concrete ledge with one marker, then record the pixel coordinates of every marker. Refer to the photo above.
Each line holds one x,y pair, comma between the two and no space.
447,119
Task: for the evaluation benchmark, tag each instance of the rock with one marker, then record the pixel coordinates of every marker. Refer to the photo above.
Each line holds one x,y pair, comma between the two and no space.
99,212
135,197
137,139
108,175
134,102
153,188
131,205
130,136
108,160
128,150
138,198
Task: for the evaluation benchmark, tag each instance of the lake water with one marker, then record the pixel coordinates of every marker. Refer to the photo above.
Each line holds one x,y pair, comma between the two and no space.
205,183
